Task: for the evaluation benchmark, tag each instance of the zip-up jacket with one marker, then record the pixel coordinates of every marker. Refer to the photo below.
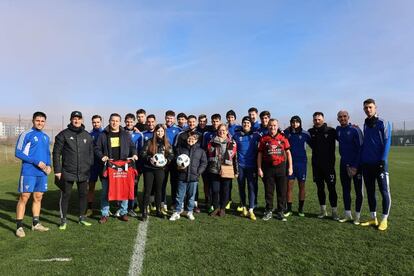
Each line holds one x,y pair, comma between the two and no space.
222,152
73,153
181,139
103,146
322,142
350,140
95,134
234,128
247,144
262,130
33,147
172,133
377,141
298,140
145,155
198,163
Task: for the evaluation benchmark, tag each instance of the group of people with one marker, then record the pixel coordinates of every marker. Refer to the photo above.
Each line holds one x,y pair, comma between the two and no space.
217,153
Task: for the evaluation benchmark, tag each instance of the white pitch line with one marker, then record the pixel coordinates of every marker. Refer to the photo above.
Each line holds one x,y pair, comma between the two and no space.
137,259
53,260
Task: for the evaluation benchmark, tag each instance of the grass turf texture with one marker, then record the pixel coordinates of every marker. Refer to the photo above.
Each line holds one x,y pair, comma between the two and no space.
211,246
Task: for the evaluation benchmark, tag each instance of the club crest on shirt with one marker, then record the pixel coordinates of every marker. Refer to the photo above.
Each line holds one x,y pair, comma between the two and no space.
348,132
71,138
300,137
85,140
326,135
36,139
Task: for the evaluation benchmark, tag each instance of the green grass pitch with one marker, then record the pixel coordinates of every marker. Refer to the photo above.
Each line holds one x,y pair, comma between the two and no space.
215,246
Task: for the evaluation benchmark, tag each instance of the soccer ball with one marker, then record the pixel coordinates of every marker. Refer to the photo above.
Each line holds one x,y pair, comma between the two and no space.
183,161
158,160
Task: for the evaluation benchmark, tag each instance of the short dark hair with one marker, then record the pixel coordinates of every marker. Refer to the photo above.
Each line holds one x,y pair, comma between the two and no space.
193,133
169,113
129,116
369,101
215,116
141,111
246,118
115,115
231,113
264,113
151,116
253,109
191,117
96,116
181,115
202,116
318,113
39,114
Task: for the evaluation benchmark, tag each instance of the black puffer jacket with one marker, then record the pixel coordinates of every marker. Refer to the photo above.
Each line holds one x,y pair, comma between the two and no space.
198,163
323,143
73,153
145,155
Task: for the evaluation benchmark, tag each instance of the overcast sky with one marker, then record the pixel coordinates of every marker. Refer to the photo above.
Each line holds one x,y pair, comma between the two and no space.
288,57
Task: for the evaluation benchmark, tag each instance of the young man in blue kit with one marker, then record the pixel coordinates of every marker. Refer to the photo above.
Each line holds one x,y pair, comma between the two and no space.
350,140
33,149
247,144
374,160
95,169
298,138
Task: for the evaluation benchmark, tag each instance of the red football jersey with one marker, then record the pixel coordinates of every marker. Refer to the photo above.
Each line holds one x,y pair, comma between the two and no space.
274,149
121,177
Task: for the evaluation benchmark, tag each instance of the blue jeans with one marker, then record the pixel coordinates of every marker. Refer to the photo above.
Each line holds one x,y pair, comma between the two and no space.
105,203
248,175
185,188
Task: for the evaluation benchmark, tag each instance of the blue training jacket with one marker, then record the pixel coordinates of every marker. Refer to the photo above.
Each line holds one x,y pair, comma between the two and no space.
377,142
136,138
256,126
95,134
172,133
147,135
207,136
234,128
32,147
298,141
263,130
350,140
247,145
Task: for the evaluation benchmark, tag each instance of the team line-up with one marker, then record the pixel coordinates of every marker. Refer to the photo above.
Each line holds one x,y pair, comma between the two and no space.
217,153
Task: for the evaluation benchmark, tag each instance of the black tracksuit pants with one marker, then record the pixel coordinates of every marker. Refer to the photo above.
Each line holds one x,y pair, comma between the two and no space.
66,193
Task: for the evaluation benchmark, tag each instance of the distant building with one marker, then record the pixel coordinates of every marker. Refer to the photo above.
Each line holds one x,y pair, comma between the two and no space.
18,130
2,130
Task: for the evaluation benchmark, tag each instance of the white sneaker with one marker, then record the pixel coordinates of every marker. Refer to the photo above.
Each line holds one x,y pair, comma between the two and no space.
20,232
190,216
335,215
117,213
39,227
346,219
323,214
175,216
